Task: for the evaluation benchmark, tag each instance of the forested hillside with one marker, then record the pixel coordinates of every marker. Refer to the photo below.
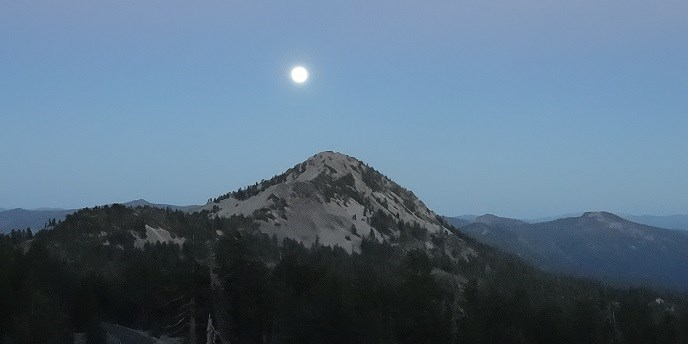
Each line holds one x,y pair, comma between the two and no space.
66,280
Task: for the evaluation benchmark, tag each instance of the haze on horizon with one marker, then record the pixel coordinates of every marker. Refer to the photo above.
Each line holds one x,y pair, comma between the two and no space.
521,109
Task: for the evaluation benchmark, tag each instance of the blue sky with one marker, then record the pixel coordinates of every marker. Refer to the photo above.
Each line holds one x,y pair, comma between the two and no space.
519,108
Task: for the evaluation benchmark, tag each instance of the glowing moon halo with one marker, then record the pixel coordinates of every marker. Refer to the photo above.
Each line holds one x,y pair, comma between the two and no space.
299,74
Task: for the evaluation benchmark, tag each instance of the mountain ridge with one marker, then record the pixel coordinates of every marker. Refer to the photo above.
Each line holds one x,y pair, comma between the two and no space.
596,244
36,219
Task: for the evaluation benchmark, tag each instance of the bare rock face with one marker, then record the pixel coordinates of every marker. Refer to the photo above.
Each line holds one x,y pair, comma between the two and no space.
333,199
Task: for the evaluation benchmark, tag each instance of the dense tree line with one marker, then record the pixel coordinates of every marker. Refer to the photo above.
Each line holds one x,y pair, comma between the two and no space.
64,280
252,190
45,299
387,295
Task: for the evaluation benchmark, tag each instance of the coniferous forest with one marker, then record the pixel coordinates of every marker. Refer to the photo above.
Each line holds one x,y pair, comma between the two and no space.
59,282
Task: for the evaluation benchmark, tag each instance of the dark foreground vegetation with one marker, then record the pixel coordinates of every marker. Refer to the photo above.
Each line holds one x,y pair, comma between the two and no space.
64,280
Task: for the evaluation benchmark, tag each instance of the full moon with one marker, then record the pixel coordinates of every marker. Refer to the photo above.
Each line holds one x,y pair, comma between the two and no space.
299,74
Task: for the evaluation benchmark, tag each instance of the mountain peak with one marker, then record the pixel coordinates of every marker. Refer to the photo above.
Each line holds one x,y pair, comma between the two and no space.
328,162
137,202
609,221
333,199
331,155
603,216
498,221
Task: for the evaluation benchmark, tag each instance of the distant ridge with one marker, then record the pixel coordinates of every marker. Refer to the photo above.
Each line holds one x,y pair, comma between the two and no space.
494,220
36,219
596,244
677,221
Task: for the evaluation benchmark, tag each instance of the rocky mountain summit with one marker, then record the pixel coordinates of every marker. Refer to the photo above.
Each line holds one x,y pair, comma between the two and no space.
333,199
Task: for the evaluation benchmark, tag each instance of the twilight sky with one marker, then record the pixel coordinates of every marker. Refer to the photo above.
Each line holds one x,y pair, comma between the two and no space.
520,108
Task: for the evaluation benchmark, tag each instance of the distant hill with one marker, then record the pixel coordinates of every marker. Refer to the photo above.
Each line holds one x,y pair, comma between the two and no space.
496,221
36,219
596,244
661,221
552,218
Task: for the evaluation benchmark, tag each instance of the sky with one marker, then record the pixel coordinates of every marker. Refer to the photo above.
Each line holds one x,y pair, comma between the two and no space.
519,108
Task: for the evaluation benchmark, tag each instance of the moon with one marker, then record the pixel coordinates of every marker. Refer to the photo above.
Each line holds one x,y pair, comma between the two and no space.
299,74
